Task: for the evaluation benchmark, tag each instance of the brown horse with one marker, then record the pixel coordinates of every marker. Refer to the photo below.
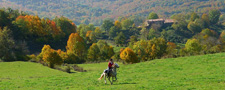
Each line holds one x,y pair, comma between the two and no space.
111,74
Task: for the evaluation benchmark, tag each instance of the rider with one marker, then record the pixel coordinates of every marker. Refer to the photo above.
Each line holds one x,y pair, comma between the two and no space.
110,64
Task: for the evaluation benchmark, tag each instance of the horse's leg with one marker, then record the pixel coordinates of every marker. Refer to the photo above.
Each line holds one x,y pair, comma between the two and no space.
105,78
115,78
112,81
109,80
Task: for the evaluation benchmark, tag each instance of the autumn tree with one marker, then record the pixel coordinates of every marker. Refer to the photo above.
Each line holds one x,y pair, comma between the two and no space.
50,56
91,37
171,49
129,56
76,45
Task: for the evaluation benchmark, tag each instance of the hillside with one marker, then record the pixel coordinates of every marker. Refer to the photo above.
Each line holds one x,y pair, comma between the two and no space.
93,11
195,72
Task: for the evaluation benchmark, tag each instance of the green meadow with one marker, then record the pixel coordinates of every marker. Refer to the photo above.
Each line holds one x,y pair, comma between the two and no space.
206,72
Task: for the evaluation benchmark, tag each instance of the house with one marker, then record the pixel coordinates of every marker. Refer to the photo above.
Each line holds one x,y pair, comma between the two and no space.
161,22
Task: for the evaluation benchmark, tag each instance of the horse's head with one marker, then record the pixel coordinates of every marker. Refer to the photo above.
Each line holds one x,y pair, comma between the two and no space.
116,65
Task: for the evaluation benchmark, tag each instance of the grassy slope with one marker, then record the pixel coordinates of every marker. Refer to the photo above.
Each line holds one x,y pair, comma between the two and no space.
197,72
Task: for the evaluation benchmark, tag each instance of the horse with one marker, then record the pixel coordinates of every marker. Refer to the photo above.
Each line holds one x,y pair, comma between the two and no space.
112,74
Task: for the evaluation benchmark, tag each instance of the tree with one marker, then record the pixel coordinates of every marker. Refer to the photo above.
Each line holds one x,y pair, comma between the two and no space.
7,45
133,39
214,16
126,24
93,52
205,18
193,46
51,57
106,51
118,24
129,56
98,32
153,15
66,25
113,32
107,24
76,45
171,49
194,16
157,47
194,28
120,39
140,48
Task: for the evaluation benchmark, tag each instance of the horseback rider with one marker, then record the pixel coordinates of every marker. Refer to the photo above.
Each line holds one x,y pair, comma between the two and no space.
110,64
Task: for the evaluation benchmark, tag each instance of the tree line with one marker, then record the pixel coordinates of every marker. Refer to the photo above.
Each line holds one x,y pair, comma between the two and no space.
60,41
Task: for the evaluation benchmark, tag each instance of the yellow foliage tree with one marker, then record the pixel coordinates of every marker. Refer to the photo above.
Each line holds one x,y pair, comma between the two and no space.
50,56
129,56
76,45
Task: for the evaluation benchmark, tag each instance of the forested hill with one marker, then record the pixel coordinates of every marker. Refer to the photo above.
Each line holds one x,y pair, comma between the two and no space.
93,11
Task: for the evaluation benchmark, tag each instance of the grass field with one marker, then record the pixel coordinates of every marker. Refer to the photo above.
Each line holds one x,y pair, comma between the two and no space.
205,72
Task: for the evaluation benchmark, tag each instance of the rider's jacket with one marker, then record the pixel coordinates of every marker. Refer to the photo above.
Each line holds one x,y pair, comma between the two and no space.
110,64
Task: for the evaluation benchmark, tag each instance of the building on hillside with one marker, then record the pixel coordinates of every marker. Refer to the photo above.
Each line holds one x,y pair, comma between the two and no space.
160,22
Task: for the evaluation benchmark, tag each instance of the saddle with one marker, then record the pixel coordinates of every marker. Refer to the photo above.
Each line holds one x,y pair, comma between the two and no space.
107,71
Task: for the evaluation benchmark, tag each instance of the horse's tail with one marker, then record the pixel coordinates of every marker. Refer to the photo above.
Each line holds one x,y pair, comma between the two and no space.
101,77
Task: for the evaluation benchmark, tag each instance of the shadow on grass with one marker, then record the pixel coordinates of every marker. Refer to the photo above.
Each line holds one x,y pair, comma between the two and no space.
124,83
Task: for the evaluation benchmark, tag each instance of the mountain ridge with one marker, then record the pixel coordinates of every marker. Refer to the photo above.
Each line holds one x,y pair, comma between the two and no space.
93,11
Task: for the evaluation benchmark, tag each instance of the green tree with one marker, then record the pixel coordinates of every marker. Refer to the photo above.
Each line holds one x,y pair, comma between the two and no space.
205,18
98,32
107,24
193,27
7,45
193,46
194,16
93,52
113,32
106,51
126,24
214,16
120,39
153,15
133,39
66,25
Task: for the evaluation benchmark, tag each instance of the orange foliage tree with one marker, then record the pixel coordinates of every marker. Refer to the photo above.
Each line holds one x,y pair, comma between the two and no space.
129,56
76,45
50,56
